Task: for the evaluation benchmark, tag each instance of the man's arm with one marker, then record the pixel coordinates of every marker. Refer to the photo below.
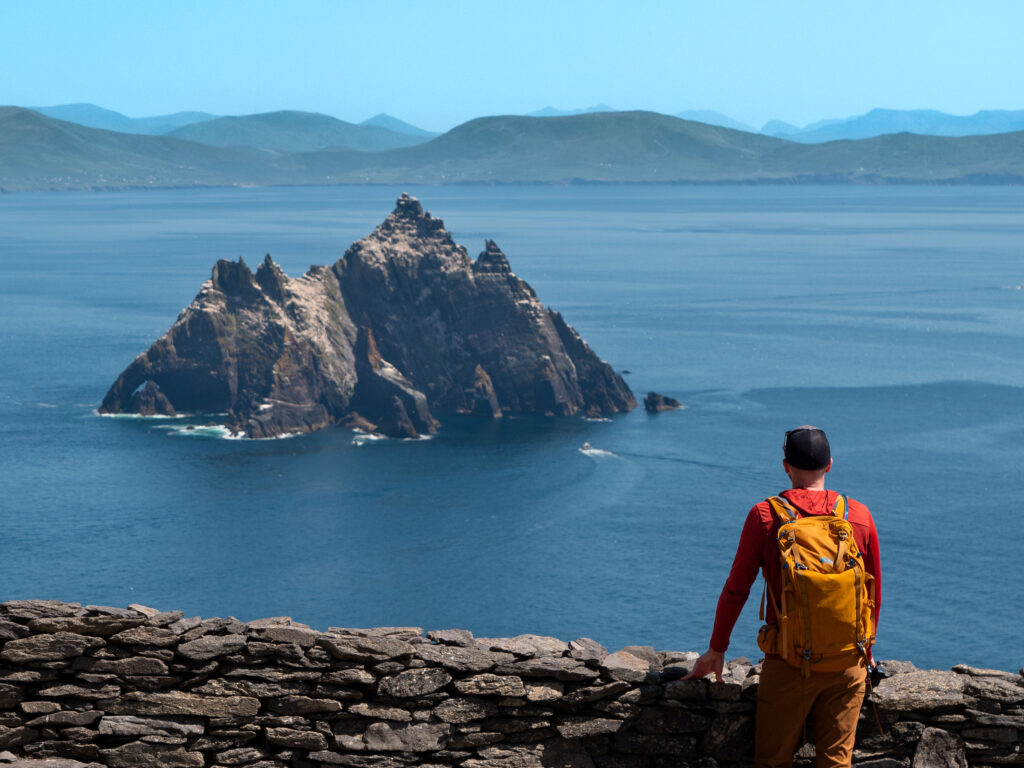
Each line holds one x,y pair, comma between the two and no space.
745,566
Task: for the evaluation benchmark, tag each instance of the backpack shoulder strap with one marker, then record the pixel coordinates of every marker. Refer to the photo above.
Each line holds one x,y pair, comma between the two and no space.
842,507
783,510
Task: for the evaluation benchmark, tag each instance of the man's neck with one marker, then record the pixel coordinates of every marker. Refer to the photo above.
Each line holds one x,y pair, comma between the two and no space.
817,485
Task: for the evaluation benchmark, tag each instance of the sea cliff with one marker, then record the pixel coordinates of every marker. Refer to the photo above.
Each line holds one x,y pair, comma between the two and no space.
137,687
403,328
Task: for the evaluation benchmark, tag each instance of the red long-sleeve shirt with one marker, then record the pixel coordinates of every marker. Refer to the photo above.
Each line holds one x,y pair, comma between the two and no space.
758,551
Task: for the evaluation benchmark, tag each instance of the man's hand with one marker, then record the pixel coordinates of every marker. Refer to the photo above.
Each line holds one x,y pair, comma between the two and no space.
711,661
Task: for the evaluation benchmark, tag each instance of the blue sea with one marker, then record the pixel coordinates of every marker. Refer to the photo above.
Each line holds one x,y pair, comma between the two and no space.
891,317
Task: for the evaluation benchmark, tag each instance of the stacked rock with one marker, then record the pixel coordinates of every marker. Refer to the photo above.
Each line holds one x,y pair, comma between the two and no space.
97,686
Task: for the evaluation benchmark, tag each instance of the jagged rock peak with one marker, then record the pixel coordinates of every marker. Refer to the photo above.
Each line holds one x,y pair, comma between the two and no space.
491,259
233,278
408,207
408,219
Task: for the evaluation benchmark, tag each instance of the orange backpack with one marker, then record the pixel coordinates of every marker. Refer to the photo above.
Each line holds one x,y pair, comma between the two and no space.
826,619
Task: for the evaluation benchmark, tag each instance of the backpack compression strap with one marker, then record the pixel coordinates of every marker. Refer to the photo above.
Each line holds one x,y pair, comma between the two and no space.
783,510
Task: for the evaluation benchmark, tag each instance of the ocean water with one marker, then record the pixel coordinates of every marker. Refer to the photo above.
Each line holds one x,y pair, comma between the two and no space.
888,316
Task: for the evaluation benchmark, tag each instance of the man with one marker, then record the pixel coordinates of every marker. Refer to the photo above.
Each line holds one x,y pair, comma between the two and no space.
788,693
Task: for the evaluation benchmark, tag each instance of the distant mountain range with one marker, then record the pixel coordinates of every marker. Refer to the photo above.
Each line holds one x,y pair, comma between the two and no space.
40,152
283,132
877,122
288,132
881,122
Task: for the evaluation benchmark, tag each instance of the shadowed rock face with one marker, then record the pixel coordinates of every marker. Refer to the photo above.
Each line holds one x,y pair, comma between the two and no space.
405,323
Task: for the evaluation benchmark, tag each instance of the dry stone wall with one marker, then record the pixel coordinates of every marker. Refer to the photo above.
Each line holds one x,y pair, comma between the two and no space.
128,688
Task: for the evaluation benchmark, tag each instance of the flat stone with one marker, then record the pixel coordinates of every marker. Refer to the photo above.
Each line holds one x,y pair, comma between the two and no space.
526,646
414,682
461,637
71,691
11,630
1004,721
183,625
132,726
417,737
557,667
491,685
139,755
580,727
150,637
588,651
135,665
37,609
302,637
381,712
101,626
288,737
364,649
165,618
39,707
362,761
922,691
542,692
595,693
273,675
179,703
240,756
939,749
464,710
145,610
460,659
300,705
964,669
65,719
211,646
354,676
1004,690
623,665
50,647
403,633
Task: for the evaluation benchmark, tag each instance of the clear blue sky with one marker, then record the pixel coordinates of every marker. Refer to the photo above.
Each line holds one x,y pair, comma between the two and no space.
439,63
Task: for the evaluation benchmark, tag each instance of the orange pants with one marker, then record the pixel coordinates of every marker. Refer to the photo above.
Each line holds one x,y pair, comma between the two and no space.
784,699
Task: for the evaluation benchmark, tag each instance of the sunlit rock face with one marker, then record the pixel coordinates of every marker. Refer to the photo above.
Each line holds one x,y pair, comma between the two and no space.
404,326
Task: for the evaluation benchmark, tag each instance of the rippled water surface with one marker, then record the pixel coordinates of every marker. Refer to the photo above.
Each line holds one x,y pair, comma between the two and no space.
888,316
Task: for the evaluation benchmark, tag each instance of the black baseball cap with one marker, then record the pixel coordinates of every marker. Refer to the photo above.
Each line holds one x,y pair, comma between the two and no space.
806,447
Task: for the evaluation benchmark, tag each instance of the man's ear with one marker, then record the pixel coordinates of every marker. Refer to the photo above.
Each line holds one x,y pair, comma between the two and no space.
829,467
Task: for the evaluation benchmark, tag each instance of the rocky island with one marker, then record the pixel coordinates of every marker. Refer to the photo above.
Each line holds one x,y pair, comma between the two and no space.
403,326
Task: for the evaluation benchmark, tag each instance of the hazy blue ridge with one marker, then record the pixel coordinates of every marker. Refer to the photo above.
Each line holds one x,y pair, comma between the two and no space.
37,152
290,131
92,116
711,117
555,112
384,120
880,122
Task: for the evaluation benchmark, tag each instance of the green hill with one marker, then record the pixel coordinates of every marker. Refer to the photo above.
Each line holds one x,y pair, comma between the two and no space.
287,132
37,152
